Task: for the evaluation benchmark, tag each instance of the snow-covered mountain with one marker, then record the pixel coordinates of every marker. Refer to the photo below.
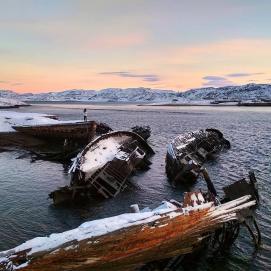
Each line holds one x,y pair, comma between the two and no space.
133,95
9,94
245,92
147,95
67,95
7,102
136,95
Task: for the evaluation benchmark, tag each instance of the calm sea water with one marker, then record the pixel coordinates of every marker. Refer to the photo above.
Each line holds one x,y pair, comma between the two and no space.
26,212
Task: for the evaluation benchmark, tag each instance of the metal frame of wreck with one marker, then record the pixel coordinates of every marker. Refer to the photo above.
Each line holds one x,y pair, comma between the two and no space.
178,167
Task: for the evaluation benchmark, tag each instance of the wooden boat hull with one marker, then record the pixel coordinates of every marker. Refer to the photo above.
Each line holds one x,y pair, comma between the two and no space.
72,131
125,152
148,237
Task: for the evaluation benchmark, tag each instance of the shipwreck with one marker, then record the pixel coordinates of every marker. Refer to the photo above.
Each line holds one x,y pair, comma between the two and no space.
132,240
105,165
46,138
187,153
78,131
143,131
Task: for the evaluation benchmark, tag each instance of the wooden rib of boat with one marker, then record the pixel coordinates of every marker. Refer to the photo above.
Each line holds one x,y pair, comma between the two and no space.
72,130
128,241
187,153
105,165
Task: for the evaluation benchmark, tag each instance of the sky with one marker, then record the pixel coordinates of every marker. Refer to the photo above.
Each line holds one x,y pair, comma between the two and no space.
50,45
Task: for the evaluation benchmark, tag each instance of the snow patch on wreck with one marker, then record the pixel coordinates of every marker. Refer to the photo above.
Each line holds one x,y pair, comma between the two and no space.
128,240
105,165
187,153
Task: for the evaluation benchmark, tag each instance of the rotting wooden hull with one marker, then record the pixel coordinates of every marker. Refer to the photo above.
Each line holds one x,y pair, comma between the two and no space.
19,140
187,153
73,131
120,153
116,134
158,236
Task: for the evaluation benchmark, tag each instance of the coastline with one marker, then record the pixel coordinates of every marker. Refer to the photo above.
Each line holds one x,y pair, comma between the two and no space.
209,104
241,104
14,106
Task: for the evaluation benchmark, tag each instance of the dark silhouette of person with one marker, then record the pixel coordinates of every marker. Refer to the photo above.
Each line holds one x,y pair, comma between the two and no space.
85,114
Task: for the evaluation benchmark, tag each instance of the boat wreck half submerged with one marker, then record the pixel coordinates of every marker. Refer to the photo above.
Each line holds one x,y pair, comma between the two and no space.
65,130
187,153
104,166
128,241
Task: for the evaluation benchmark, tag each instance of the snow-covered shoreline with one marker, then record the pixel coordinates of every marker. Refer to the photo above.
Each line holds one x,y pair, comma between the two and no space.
13,118
194,103
11,103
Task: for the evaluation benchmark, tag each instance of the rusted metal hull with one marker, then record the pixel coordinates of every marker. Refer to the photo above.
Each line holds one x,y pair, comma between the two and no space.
187,153
73,131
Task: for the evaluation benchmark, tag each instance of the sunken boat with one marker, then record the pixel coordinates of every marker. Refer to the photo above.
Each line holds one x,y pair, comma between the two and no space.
130,241
187,153
143,131
105,165
64,130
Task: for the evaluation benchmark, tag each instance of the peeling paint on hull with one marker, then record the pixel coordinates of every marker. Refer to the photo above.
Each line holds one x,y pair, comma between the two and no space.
167,235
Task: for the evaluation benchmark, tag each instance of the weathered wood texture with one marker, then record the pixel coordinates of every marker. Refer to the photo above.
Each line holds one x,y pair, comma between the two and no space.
173,233
78,130
109,178
19,140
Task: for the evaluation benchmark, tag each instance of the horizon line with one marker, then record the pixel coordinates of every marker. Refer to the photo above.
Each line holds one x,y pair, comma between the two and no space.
120,88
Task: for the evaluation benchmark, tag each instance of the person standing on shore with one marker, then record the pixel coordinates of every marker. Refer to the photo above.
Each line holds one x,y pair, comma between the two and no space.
85,114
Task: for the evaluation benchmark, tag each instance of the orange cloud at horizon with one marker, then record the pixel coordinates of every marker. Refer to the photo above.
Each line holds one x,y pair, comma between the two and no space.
176,67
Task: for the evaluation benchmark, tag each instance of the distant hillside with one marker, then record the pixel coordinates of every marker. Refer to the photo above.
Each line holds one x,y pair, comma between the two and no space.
147,95
245,92
7,102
